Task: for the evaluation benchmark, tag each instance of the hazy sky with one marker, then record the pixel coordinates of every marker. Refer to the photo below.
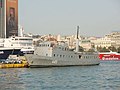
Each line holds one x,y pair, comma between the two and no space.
95,17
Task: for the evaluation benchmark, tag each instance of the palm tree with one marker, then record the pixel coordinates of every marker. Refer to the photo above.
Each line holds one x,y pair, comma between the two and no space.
112,48
104,49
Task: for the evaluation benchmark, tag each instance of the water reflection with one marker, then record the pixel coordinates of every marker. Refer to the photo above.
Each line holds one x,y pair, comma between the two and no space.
105,76
11,79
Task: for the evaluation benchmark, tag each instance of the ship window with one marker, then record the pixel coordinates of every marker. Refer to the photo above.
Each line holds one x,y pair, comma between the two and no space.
79,56
86,56
90,56
65,49
71,56
54,55
63,55
51,45
46,54
60,55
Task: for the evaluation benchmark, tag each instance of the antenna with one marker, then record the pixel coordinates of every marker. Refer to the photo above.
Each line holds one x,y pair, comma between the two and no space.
77,31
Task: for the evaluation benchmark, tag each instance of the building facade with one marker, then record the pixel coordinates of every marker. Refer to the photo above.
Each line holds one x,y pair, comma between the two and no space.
112,39
8,18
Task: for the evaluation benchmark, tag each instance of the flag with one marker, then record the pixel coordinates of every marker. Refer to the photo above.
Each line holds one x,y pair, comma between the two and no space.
1,3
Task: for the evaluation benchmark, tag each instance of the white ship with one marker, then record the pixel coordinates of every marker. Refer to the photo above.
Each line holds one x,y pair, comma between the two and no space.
24,43
49,54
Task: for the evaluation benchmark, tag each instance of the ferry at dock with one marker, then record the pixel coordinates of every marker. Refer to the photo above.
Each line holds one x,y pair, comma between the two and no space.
48,54
52,54
24,43
16,45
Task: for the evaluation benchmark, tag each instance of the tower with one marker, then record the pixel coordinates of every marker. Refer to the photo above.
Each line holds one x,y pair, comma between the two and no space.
8,18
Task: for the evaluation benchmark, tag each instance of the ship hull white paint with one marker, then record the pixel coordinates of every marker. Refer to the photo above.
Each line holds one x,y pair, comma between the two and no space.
40,61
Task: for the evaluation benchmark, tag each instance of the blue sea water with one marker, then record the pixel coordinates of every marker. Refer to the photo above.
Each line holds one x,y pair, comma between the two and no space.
105,76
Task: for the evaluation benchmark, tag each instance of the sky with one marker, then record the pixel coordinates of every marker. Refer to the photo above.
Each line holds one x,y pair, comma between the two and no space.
95,17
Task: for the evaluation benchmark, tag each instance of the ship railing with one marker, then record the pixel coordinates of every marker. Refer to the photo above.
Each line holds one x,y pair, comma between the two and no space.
88,53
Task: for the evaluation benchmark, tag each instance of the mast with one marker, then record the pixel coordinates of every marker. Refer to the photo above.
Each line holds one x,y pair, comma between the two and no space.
77,40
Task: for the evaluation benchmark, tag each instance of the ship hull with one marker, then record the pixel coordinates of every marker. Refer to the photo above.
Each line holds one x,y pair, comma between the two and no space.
4,53
109,57
38,61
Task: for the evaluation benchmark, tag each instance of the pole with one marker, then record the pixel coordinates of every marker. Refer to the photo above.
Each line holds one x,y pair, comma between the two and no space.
1,18
5,18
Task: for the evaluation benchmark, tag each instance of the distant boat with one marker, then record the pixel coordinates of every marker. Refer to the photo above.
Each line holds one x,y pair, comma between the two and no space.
13,61
109,56
50,54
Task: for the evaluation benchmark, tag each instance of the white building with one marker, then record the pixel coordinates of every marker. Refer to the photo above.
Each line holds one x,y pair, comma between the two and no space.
112,39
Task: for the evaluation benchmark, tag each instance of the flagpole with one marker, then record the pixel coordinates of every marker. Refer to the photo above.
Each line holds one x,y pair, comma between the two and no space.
5,18
1,17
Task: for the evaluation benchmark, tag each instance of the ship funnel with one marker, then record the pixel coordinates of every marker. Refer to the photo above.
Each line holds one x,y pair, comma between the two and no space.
77,40
77,31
